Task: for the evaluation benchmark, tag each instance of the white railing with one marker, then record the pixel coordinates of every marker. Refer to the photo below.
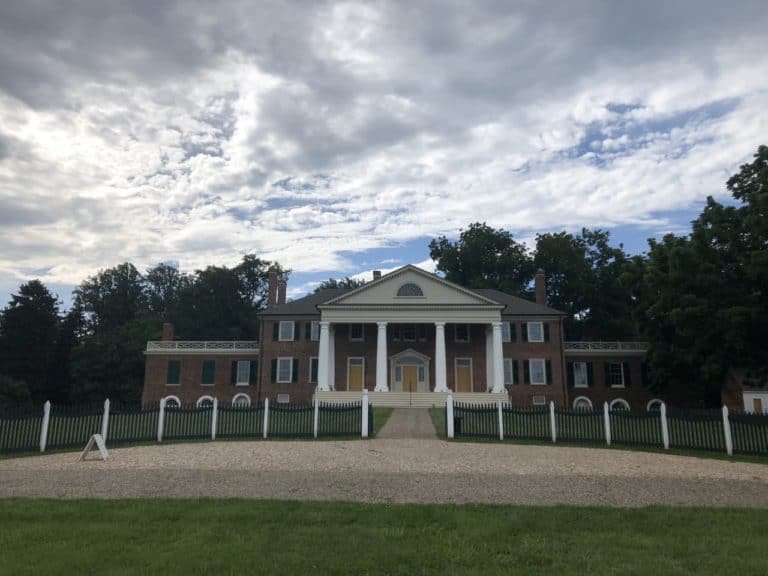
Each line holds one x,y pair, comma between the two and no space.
606,346
203,346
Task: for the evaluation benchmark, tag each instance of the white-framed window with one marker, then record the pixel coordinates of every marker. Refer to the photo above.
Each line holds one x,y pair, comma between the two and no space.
410,290
535,331
506,333
461,332
582,403
314,363
539,400
615,374
580,377
241,401
284,370
654,405
356,333
204,402
509,371
172,402
283,398
619,405
243,373
538,370
286,330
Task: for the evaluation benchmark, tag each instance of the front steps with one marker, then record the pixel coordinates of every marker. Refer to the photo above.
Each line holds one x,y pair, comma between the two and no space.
411,399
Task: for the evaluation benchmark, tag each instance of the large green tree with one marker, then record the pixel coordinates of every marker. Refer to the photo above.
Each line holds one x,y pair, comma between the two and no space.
345,282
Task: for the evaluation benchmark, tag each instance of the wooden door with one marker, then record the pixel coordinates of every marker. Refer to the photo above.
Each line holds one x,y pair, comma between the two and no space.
463,375
355,375
410,382
758,405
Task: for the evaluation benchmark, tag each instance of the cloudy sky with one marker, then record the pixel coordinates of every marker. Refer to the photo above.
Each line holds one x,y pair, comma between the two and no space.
340,137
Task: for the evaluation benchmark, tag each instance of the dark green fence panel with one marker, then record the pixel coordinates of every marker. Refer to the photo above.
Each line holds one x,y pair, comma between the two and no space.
20,429
526,422
749,433
636,429
371,427
696,430
132,423
72,426
291,421
240,422
187,423
342,419
475,420
580,426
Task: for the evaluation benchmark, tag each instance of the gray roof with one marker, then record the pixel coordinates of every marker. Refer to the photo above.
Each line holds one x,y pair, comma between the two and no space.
307,306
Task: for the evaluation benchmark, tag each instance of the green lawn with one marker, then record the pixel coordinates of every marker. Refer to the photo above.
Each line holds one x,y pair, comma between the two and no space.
268,537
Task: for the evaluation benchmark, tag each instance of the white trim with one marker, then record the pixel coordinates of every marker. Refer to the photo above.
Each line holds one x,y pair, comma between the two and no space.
395,363
280,331
511,362
543,371
586,375
309,375
456,373
528,331
654,401
620,401
203,398
508,325
239,382
349,364
456,333
171,397
241,395
277,373
621,371
362,332
314,326
579,398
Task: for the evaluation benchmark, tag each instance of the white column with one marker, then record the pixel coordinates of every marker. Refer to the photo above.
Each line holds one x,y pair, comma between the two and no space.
381,358
331,357
727,432
498,359
489,358
441,384
322,359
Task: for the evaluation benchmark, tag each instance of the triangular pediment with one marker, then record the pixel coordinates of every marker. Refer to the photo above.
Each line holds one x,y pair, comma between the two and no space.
411,286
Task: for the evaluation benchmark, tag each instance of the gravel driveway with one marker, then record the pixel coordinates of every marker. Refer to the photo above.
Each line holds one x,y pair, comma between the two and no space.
392,470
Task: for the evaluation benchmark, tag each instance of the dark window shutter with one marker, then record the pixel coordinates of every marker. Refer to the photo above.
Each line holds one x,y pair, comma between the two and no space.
571,378
275,330
524,331
625,370
174,371
295,375
313,369
590,374
274,370
253,377
527,370
512,332
546,331
307,330
607,372
233,372
296,330
515,375
549,372
209,371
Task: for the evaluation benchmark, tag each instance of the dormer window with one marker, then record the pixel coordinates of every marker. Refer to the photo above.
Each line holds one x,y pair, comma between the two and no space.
410,289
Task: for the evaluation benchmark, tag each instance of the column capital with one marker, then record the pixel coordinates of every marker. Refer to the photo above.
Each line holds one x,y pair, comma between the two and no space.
440,324
497,325
324,324
382,324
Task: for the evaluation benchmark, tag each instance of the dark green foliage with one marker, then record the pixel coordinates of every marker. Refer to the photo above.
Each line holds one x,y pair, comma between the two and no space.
345,282
14,392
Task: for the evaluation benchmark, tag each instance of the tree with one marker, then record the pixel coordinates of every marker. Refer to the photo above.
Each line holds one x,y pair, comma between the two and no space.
14,392
112,297
484,257
345,282
164,286
28,339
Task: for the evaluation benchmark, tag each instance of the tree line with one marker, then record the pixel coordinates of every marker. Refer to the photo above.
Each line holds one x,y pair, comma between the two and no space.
699,299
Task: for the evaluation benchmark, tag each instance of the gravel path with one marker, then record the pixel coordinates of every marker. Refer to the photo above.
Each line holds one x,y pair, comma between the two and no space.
408,423
392,470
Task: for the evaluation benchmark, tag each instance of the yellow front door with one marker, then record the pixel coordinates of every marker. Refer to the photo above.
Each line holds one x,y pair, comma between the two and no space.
355,375
410,382
463,375
758,404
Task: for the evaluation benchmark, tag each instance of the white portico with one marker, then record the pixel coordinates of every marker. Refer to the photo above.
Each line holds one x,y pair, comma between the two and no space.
411,297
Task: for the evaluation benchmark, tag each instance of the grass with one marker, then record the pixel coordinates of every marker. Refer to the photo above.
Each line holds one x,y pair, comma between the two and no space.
272,537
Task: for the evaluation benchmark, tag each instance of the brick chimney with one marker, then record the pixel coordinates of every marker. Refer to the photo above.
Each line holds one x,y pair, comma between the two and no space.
376,274
540,288
167,332
272,288
281,288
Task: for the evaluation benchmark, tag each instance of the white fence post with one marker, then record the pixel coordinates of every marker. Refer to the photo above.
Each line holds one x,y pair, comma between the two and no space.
44,426
161,421
265,423
552,422
214,418
607,421
501,421
365,413
317,416
664,426
105,421
449,415
727,432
